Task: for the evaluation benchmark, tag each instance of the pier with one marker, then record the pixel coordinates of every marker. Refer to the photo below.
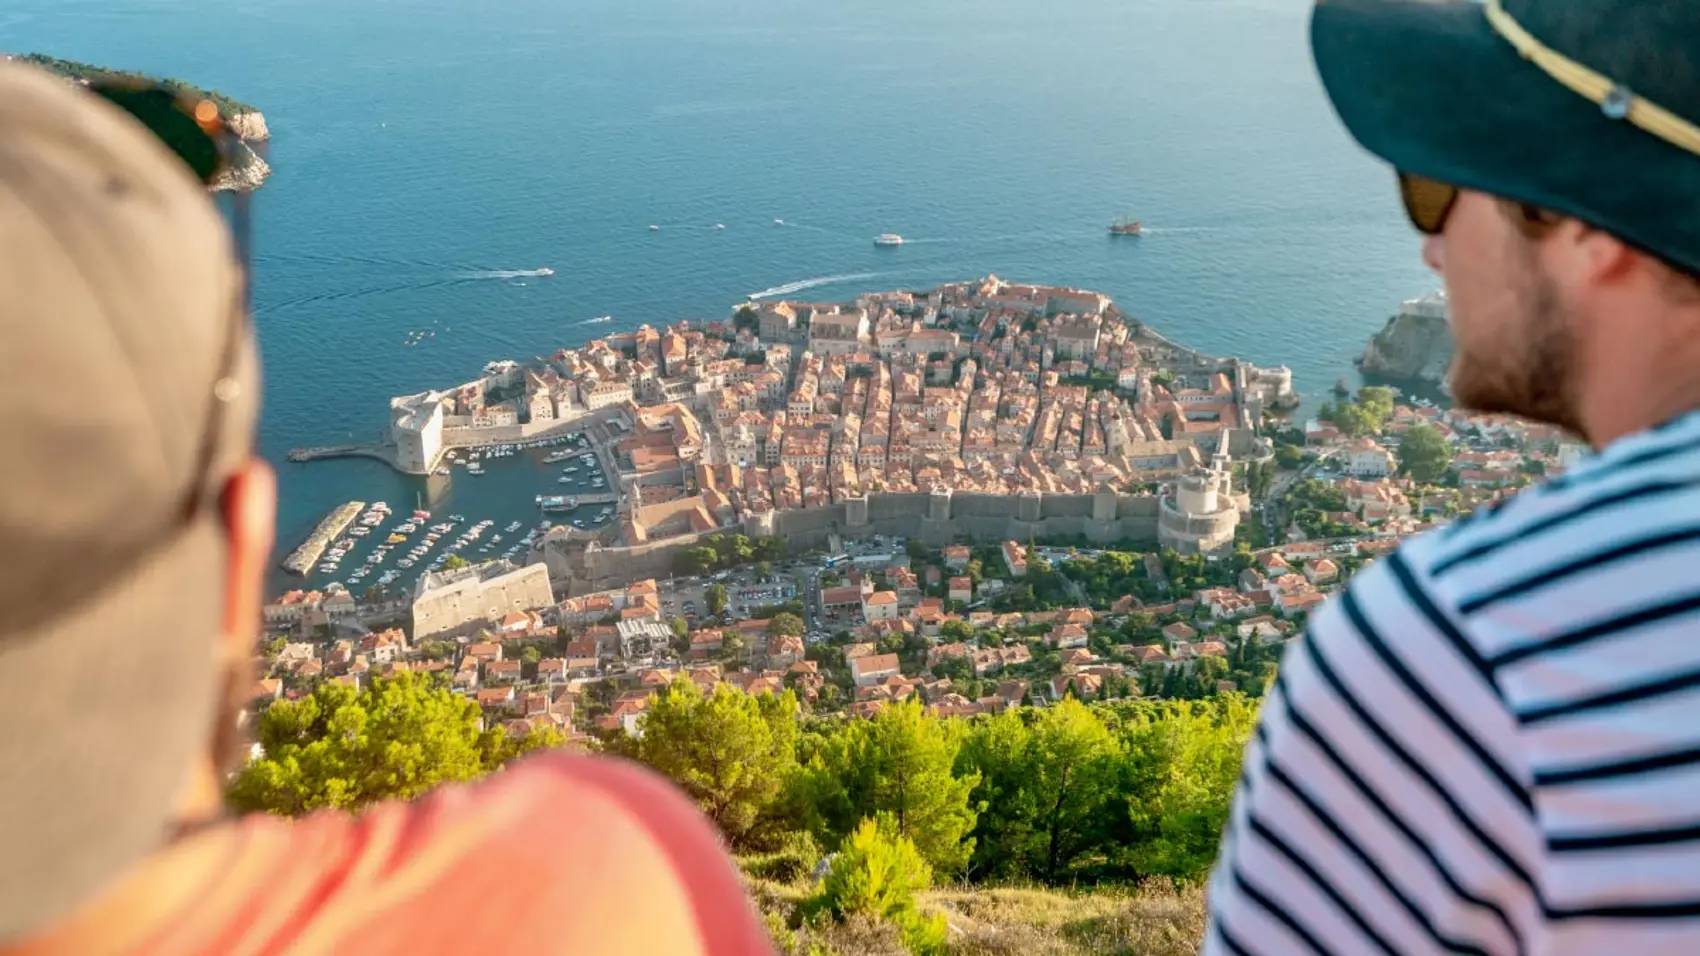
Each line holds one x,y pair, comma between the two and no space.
302,559
382,452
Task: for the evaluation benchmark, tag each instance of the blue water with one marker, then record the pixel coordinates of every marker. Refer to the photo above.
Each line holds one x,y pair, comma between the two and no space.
422,147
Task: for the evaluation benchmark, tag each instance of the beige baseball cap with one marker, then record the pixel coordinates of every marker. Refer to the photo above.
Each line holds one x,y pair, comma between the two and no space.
128,395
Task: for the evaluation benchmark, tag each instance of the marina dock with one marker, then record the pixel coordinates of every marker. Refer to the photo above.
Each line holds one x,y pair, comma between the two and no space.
302,559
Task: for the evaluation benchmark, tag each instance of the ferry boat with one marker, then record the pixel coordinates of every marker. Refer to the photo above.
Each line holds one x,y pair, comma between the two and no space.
888,239
556,503
1127,227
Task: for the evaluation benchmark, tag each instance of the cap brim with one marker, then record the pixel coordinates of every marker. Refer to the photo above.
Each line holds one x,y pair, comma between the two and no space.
1432,89
106,708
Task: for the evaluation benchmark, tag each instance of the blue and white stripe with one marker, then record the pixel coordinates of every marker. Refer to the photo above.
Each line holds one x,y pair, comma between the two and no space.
1491,742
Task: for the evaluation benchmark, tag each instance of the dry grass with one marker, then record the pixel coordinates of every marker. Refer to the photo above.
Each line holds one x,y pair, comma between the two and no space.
1155,920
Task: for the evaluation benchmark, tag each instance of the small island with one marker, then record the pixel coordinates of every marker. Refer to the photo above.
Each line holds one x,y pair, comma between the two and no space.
245,120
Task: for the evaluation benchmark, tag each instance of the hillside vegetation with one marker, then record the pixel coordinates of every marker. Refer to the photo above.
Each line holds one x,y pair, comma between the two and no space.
1072,828
227,105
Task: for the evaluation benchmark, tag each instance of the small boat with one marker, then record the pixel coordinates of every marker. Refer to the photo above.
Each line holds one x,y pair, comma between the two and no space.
1127,227
888,239
599,320
654,228
545,271
720,225
779,222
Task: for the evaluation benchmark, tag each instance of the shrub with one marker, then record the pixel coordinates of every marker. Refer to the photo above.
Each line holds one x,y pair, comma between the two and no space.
793,861
878,874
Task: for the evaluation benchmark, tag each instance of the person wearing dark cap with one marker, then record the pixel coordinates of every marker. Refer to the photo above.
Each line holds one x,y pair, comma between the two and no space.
135,525
1490,743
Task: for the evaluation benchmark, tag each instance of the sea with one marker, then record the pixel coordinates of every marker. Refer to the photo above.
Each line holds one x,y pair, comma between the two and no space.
431,155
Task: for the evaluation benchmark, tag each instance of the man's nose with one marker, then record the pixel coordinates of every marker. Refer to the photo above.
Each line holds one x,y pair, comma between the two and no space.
1434,252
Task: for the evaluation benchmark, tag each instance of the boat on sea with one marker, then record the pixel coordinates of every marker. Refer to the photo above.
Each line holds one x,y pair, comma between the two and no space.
545,271
1127,227
557,502
654,228
888,239
779,222
599,320
720,225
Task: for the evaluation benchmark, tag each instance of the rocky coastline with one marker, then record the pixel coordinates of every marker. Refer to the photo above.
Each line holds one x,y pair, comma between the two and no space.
1414,345
250,169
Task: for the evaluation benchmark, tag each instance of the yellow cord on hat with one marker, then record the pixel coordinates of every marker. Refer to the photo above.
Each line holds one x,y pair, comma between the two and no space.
1617,101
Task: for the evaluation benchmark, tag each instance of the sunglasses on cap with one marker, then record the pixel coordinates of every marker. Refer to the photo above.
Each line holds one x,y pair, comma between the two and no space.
198,134
1428,202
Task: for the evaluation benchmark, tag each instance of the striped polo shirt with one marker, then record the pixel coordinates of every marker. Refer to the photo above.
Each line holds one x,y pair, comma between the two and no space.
1490,743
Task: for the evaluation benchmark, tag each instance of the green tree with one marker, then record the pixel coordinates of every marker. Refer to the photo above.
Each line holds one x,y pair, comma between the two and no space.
1377,402
1289,457
715,597
733,753
454,562
1424,454
1182,762
956,631
902,762
785,624
746,318
880,874
346,749
1073,759
694,561
997,750
917,550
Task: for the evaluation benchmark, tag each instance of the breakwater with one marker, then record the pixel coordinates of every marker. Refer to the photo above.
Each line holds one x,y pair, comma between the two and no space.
302,559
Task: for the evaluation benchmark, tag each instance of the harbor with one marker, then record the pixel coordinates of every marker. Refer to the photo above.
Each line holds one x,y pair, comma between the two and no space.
486,503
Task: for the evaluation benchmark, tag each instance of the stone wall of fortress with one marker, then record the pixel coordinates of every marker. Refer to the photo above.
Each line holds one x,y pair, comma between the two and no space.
938,519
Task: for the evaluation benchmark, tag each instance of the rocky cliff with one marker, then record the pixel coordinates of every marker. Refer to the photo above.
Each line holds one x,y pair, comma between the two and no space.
1416,343
249,171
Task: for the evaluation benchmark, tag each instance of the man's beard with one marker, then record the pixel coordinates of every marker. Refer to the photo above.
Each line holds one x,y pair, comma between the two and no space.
1535,376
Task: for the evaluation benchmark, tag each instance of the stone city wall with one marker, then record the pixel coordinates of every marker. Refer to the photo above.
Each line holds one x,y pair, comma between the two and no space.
1101,519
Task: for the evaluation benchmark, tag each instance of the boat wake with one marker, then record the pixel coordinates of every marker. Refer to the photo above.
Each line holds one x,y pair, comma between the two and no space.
507,273
792,287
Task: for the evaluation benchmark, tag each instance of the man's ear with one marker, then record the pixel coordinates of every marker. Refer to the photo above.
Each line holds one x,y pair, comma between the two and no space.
249,502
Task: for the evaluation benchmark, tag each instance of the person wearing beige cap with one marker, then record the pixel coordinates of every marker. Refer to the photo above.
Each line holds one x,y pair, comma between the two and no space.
135,526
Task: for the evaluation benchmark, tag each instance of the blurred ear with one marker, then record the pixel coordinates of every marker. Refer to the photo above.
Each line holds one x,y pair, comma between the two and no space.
250,520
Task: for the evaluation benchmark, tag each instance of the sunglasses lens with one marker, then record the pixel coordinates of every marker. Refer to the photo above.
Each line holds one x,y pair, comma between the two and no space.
172,120
1427,201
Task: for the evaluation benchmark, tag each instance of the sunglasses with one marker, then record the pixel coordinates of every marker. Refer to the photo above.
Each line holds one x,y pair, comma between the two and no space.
1428,202
194,131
